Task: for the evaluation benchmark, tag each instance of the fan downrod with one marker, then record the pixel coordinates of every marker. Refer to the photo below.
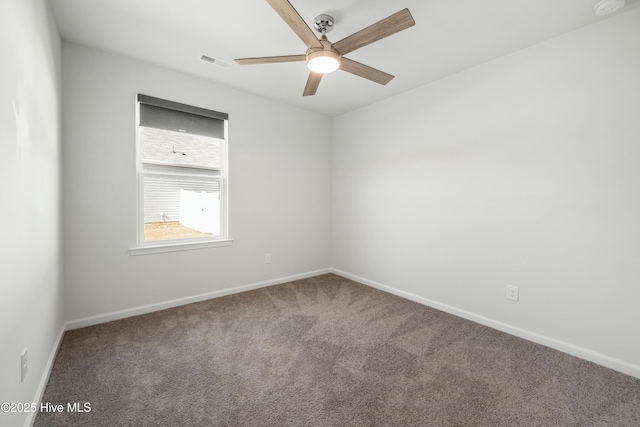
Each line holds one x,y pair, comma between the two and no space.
323,24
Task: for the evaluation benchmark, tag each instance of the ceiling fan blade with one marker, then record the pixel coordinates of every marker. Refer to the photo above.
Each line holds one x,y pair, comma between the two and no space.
295,21
390,25
271,59
312,84
361,70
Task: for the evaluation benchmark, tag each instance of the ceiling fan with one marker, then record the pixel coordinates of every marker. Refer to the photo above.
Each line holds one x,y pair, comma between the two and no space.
323,56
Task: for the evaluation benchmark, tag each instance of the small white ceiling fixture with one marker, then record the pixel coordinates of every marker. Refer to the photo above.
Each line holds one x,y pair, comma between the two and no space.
607,7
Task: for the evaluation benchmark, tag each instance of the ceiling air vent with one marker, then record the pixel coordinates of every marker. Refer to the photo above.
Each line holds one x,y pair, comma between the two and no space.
215,61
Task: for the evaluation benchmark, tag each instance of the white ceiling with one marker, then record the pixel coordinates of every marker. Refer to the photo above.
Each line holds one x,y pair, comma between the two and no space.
449,36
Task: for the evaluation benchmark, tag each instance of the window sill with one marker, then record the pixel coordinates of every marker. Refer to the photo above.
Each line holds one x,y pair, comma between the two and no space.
174,247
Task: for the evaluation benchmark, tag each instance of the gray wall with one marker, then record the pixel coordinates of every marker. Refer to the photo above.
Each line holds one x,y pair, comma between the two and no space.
31,305
279,195
523,171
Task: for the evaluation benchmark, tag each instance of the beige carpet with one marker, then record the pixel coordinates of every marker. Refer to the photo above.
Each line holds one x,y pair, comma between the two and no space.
325,351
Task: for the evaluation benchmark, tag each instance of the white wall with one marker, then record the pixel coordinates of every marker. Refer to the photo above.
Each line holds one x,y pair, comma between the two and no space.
279,188
523,171
31,305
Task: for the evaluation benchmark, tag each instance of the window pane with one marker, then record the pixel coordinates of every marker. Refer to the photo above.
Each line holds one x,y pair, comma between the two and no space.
180,207
181,165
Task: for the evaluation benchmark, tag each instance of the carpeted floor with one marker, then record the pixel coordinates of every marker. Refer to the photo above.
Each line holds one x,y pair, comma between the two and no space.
324,351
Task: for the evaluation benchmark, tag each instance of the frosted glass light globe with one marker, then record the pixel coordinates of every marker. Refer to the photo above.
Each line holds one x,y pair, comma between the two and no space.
323,62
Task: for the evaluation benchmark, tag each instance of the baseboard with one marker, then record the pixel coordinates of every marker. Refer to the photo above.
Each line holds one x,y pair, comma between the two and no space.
44,380
135,311
580,352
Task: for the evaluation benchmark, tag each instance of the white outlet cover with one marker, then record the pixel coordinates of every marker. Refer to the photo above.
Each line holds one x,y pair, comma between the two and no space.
24,365
513,293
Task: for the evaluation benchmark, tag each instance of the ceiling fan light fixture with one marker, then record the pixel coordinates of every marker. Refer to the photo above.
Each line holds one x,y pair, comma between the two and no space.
321,56
323,61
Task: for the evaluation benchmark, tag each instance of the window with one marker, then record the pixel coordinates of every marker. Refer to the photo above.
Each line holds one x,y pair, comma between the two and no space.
182,176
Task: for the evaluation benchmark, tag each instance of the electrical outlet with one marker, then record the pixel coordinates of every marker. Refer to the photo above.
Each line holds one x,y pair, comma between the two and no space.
513,293
267,259
24,365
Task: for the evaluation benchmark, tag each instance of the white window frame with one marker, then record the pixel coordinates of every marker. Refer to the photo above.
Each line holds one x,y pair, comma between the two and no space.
145,247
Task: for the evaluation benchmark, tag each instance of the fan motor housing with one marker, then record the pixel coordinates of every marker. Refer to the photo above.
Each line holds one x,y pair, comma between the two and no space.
327,50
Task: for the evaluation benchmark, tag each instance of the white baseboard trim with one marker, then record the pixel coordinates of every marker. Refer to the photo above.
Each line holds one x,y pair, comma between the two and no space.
144,309
574,350
31,416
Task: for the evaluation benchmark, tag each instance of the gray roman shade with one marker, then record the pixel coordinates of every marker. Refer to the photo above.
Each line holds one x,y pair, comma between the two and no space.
173,116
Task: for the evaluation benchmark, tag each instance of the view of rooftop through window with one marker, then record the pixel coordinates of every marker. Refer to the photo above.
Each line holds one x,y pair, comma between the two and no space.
166,147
